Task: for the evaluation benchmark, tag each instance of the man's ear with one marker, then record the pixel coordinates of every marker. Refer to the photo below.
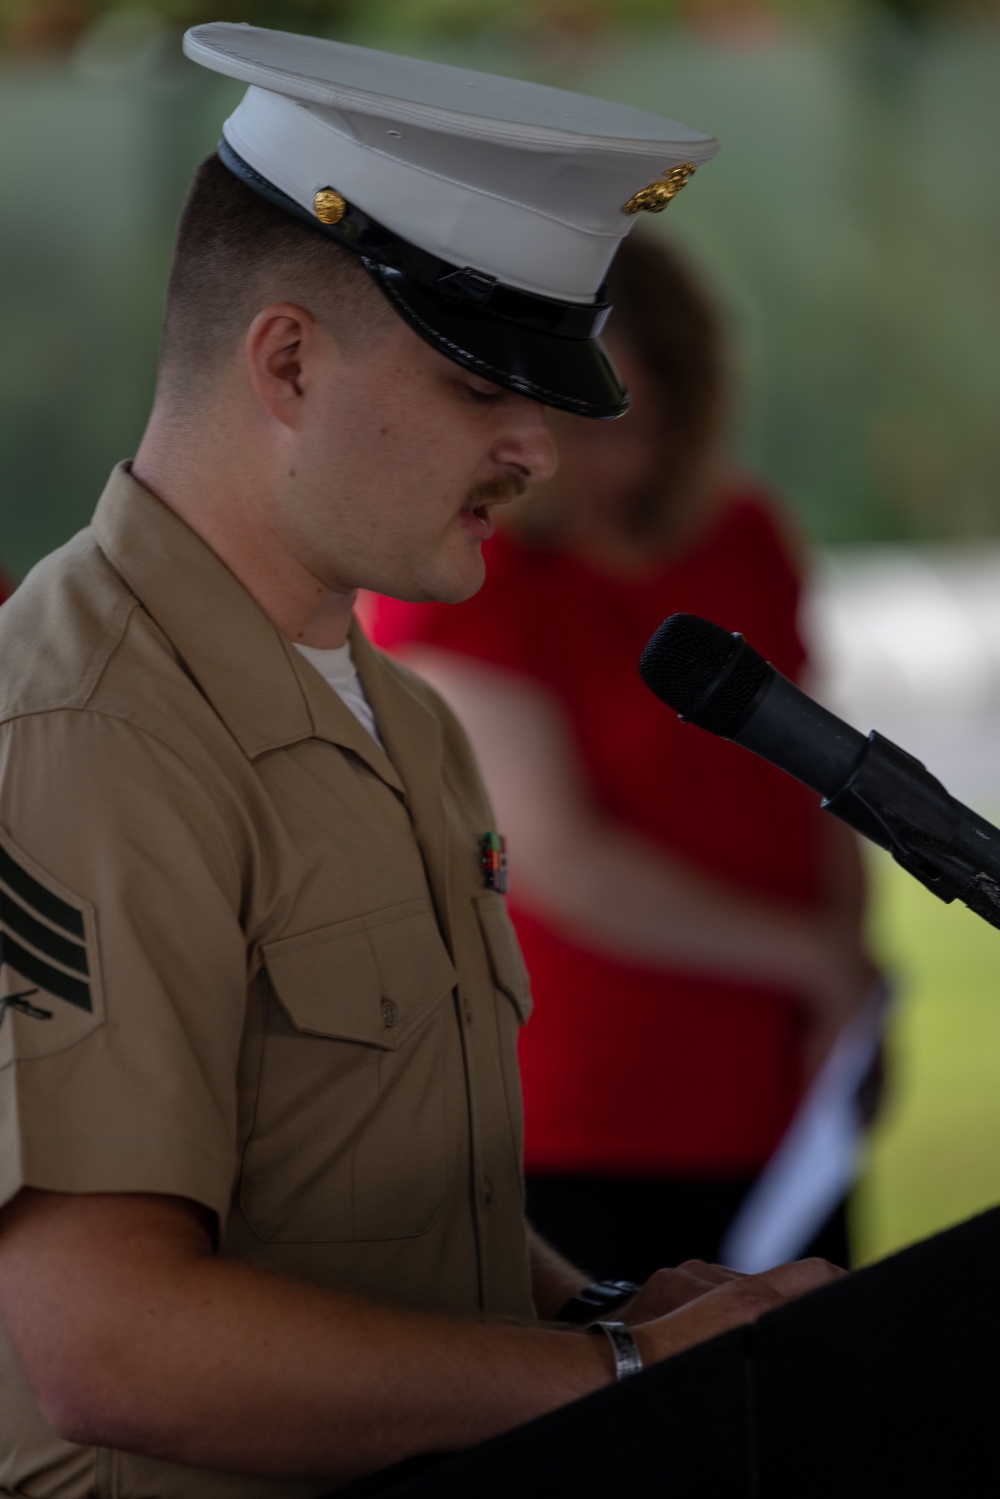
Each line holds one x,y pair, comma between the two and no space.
282,348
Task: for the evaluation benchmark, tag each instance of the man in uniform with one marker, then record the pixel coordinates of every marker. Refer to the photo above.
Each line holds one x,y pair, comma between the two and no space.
259,1108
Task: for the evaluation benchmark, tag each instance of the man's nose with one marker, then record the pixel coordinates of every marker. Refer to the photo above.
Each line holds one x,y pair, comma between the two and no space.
527,442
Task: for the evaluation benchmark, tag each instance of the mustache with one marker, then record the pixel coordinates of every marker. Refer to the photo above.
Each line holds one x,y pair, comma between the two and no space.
503,487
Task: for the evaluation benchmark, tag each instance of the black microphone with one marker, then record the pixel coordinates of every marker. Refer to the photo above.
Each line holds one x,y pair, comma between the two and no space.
715,680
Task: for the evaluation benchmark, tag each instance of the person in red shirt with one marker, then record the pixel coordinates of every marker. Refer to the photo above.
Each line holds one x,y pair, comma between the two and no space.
691,923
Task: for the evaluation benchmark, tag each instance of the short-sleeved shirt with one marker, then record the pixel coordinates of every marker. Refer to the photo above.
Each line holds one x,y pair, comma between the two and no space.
248,958
627,1069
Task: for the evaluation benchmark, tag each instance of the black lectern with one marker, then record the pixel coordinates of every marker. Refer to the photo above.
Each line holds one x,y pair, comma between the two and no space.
882,1386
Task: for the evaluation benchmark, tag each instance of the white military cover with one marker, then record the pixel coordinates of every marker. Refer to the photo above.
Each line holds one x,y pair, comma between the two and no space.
521,181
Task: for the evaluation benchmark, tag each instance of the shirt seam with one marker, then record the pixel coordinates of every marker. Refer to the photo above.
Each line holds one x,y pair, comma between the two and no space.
111,639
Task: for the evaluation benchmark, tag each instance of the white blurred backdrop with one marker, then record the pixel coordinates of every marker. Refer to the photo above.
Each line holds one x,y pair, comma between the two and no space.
906,640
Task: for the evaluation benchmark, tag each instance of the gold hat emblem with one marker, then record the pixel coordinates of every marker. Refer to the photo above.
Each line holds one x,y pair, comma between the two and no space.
655,197
329,205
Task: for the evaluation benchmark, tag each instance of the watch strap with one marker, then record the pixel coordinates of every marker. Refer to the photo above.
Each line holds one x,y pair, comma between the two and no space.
597,1300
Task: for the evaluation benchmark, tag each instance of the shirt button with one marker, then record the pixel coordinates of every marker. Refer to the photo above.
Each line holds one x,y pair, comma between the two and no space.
487,1192
389,1014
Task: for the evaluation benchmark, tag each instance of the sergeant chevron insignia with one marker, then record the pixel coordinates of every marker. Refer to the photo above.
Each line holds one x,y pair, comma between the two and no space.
50,995
20,1003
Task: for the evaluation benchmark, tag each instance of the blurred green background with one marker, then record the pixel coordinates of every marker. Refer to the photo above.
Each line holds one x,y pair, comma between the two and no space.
935,1154
851,225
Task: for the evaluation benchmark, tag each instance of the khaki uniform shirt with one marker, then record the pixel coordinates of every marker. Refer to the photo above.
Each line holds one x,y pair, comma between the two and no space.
248,958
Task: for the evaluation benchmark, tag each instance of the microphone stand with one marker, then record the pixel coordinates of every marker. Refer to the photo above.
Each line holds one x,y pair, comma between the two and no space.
891,798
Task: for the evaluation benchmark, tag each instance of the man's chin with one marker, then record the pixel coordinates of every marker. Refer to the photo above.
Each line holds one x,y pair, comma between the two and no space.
447,586
458,595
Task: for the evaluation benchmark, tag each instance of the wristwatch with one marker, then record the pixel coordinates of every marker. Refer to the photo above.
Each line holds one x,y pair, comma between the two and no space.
597,1300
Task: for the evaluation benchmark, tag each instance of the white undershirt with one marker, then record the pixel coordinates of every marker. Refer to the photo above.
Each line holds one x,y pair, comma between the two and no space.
337,668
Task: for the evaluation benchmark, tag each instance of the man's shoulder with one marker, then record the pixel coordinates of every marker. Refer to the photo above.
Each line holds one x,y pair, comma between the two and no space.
94,695
75,641
60,628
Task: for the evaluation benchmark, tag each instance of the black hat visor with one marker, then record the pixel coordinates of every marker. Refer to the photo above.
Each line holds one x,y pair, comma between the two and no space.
572,374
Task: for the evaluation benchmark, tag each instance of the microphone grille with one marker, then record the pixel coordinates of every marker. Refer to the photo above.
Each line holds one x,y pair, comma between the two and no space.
685,656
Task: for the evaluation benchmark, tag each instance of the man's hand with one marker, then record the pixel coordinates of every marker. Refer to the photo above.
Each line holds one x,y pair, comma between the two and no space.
731,1301
667,1290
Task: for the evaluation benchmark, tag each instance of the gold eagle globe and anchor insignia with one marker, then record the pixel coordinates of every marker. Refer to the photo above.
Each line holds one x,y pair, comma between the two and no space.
655,197
330,207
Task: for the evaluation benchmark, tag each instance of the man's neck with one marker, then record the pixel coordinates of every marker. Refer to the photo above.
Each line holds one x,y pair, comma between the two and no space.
227,507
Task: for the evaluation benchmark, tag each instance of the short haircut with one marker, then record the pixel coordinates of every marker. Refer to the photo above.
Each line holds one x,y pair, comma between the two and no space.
236,253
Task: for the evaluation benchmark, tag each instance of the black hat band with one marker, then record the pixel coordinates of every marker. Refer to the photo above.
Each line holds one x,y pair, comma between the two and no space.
468,290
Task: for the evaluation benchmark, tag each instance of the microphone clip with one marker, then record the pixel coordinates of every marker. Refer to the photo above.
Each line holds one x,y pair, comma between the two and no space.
892,799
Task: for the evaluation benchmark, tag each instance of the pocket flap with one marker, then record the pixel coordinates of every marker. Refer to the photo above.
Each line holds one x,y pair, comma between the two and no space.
509,972
372,979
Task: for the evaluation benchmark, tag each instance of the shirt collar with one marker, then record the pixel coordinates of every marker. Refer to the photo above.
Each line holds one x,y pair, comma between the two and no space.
264,691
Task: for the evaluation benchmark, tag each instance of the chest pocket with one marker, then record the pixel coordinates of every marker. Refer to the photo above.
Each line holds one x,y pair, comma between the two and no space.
350,1134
